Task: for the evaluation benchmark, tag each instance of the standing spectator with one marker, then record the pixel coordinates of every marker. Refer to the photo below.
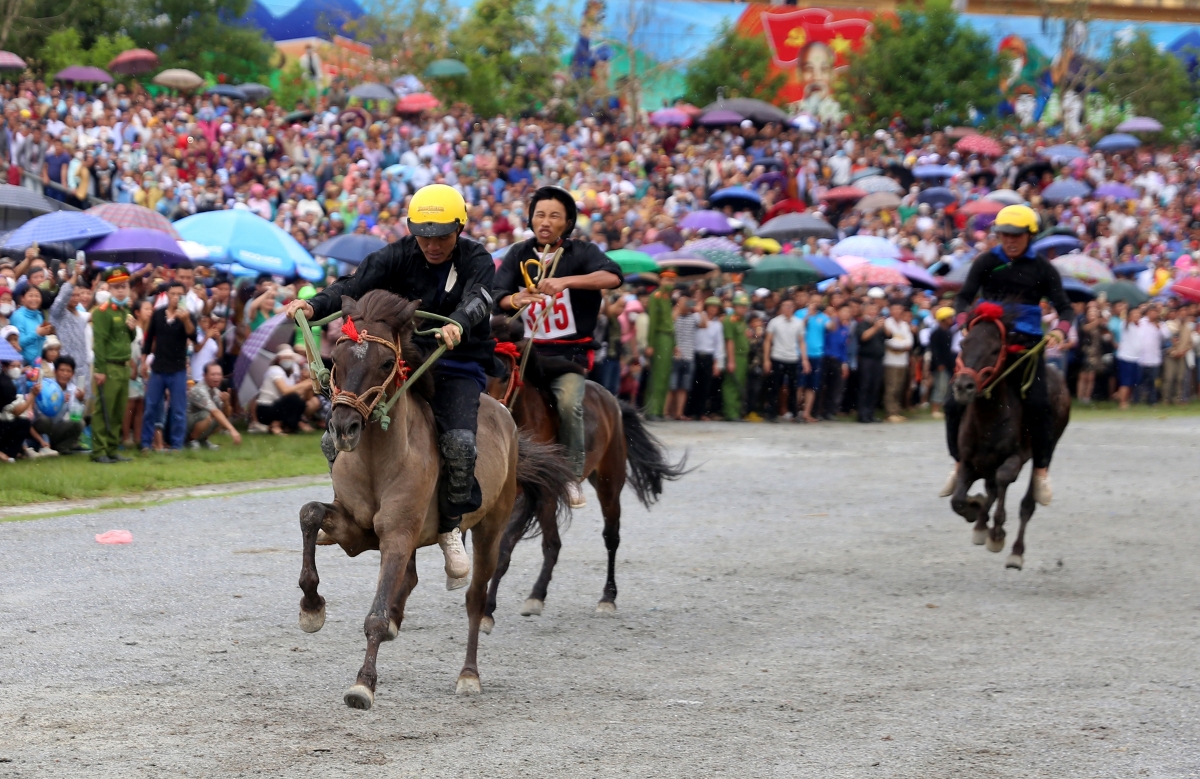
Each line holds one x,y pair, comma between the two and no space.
661,347
31,156
208,347
1149,335
1179,353
895,361
756,334
710,361
941,359
208,409
1093,332
817,325
683,367
112,333
71,326
836,364
171,328
31,323
63,429
135,406
870,335
737,358
785,350
1128,375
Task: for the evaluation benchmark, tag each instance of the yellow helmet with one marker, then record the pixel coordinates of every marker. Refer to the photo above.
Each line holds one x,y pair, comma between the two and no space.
1015,220
436,210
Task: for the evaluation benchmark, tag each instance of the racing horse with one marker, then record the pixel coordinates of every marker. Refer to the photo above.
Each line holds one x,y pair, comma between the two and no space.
993,441
619,449
385,480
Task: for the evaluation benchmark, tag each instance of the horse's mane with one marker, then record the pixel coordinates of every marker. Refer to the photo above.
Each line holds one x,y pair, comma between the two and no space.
398,314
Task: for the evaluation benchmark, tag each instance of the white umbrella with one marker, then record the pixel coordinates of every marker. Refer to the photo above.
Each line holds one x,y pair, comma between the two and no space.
197,252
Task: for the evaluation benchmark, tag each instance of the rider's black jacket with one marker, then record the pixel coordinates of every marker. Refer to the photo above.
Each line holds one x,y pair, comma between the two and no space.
1025,280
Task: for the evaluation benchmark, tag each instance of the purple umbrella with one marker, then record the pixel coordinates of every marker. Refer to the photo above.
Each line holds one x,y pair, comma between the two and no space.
83,73
654,249
711,222
721,117
917,275
772,179
1140,124
670,117
136,245
1116,191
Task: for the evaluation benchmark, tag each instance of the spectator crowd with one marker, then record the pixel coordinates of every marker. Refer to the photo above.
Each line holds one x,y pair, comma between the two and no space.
736,351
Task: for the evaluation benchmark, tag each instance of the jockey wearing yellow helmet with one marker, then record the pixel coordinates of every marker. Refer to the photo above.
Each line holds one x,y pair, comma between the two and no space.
451,275
1012,275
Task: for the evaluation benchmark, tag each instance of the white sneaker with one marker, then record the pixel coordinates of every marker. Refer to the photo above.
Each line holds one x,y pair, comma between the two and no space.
32,455
257,427
951,483
46,451
458,565
575,495
1042,492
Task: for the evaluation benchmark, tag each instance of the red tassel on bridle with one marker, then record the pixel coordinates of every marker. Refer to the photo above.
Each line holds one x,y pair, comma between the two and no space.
989,311
350,331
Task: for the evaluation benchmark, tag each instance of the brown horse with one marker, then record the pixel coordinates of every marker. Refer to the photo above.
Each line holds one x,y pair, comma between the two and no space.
619,448
993,440
385,482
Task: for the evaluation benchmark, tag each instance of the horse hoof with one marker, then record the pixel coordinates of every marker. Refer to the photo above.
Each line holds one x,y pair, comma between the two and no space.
606,607
1015,561
979,537
324,539
312,621
468,685
457,584
486,624
532,608
359,697
393,630
995,545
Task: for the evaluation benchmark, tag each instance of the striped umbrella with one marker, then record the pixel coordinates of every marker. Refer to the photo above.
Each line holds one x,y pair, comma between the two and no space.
714,242
1082,267
728,262
873,184
131,215
10,61
258,353
74,227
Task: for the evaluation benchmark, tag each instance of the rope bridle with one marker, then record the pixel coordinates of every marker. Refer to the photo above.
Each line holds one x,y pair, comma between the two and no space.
366,402
984,376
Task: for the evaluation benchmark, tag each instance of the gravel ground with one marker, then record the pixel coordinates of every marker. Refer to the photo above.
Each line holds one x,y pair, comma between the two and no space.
801,605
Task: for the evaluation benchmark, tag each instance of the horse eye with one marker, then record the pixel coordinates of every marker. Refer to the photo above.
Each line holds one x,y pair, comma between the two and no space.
388,364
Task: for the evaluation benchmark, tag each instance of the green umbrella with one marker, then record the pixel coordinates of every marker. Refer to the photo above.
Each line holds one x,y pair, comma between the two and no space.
1122,291
633,262
446,69
778,271
727,261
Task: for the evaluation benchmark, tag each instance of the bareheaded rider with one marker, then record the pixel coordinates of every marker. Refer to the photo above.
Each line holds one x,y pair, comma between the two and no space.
1013,276
572,290
452,276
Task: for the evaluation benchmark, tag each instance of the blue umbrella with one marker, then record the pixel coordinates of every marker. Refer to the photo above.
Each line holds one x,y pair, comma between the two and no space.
1062,191
74,227
1077,291
239,236
8,354
1130,268
736,197
932,172
1063,152
227,90
1116,191
825,266
352,247
1061,243
938,197
867,246
1117,142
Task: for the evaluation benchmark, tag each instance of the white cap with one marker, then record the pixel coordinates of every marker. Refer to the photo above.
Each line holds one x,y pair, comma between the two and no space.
762,292
876,293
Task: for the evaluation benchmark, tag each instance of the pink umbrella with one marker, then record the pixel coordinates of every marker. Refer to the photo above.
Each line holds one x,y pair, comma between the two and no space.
979,144
850,261
417,102
10,61
670,117
134,62
83,73
876,276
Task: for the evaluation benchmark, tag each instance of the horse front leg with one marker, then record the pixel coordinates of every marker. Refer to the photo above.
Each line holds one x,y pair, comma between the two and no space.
1006,474
551,544
485,538
394,559
982,505
1017,558
312,605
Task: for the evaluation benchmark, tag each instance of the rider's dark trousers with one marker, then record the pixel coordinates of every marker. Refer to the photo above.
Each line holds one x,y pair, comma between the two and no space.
1038,419
456,408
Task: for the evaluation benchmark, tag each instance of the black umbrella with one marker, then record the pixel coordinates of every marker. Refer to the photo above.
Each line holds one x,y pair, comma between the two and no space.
371,90
255,91
901,174
758,111
226,90
18,205
352,247
303,115
796,227
1032,172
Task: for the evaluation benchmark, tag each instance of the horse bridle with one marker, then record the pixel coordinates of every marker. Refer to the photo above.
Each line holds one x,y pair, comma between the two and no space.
984,376
366,402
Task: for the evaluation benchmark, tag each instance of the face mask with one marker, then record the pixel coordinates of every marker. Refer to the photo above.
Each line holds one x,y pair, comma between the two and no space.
103,296
287,365
6,309
79,309
14,373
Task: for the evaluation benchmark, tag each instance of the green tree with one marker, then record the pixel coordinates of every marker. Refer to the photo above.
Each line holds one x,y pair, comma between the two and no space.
926,65
513,48
408,35
1149,82
65,47
736,65
193,34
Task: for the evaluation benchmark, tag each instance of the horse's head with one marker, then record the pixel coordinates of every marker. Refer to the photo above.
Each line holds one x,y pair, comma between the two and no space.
982,353
368,361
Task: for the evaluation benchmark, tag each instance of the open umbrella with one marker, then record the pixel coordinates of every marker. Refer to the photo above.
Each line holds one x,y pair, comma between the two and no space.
1117,142
720,118
227,90
417,102
796,227
740,198
772,178
685,263
1056,243
195,252
865,173
932,172
130,215
713,242
446,68
10,61
805,123
149,247
873,184
982,206
255,91
758,111
878,201
780,271
1116,191
372,90
1063,152
178,78
258,354
1008,197
979,144
767,245
1062,191
654,249
631,261
83,73
788,205
134,62
73,227
828,268
1122,291
918,276
18,205
1129,268
937,197
1140,124
843,195
1077,291
728,262
1082,267
240,236
1187,288
867,274
303,115
712,222
670,117
351,247
955,278
865,246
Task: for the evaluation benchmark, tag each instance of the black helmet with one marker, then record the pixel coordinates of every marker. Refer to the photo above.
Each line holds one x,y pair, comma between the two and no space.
562,196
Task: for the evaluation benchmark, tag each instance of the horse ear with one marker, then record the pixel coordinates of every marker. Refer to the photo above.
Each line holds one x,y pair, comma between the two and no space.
409,311
349,307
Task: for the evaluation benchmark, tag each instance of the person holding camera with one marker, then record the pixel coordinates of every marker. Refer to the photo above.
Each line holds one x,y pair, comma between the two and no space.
166,347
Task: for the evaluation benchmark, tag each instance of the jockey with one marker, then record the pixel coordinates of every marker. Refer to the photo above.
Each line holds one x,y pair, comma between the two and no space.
1011,275
452,276
563,337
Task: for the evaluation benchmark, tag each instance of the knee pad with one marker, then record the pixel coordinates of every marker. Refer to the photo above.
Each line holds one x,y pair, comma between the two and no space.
458,453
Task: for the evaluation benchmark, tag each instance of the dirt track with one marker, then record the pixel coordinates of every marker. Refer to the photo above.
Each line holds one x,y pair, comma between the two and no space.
801,605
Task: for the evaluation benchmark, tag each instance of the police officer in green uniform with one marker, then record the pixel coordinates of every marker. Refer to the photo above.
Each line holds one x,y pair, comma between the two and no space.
661,349
113,329
737,358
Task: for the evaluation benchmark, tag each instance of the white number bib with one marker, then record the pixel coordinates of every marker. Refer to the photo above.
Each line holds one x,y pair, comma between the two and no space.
556,325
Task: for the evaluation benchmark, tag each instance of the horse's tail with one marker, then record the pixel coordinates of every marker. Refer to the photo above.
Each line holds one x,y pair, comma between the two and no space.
543,475
647,458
